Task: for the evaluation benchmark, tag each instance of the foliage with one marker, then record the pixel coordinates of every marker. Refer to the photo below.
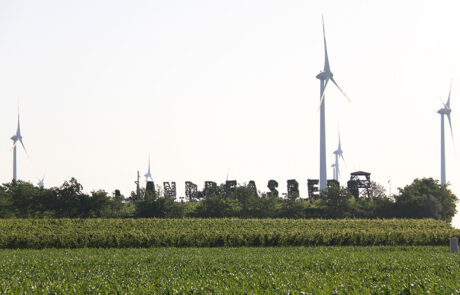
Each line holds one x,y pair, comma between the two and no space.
425,198
336,202
22,199
291,270
122,233
154,206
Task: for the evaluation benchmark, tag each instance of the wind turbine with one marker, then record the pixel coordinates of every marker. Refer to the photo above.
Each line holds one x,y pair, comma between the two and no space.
17,137
148,175
446,110
41,181
338,154
324,78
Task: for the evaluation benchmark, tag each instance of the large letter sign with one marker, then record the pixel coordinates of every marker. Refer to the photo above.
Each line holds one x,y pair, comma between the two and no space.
272,185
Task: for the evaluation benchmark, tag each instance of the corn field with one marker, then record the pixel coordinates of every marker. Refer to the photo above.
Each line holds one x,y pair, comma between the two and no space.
143,233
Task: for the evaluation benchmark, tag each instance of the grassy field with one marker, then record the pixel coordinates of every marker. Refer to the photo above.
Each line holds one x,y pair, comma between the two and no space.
282,270
141,233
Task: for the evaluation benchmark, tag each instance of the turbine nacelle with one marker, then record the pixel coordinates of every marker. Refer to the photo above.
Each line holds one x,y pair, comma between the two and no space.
444,111
325,75
18,135
339,151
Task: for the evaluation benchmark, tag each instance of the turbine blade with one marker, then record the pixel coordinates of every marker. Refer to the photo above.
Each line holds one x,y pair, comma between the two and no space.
345,162
343,92
43,176
343,159
443,104
18,130
149,162
451,132
448,116
326,58
322,96
448,98
20,139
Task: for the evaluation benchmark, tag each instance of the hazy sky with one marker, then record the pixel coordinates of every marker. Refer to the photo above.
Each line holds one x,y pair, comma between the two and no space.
208,87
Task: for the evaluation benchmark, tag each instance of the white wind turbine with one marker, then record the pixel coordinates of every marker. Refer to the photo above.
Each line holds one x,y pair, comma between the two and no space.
17,137
148,175
446,110
41,181
338,154
324,78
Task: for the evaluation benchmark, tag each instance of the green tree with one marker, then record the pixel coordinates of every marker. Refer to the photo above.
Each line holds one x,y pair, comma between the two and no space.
377,190
23,199
270,206
336,202
374,207
5,204
377,205
154,206
426,198
99,204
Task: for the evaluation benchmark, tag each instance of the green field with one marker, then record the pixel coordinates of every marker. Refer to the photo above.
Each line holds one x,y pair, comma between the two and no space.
282,270
141,233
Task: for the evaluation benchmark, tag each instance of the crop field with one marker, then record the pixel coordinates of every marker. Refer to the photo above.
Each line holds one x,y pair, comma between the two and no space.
311,270
141,233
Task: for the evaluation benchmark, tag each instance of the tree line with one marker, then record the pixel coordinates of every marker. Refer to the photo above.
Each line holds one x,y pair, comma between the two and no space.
424,198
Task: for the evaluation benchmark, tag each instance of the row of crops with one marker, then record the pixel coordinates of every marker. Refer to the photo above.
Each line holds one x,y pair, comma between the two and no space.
141,233
275,270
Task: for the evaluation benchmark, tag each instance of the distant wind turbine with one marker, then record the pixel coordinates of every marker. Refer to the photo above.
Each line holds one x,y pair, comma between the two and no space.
446,110
41,181
17,137
338,154
148,175
324,78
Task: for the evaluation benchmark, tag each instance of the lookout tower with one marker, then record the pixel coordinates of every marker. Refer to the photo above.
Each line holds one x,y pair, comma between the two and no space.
360,183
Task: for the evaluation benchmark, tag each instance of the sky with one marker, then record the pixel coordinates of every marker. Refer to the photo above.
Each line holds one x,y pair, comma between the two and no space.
217,88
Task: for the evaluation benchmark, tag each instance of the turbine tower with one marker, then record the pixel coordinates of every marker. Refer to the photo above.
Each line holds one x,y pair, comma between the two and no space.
17,137
148,175
333,169
324,78
338,153
446,110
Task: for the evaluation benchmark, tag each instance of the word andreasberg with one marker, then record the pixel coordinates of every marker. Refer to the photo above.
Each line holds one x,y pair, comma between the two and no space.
210,187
